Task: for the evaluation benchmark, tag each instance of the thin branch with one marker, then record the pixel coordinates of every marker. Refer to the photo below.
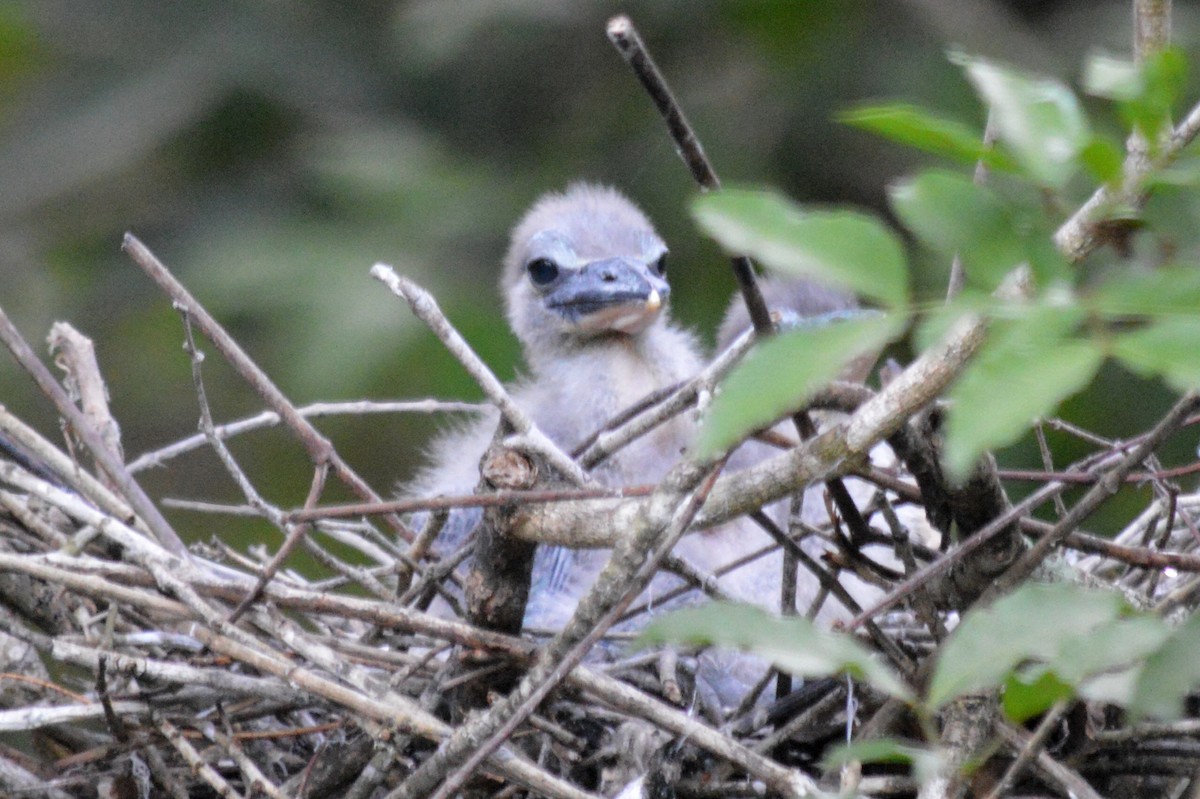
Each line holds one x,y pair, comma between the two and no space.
606,443
958,277
1151,27
1095,496
319,448
628,42
159,457
631,566
137,498
426,309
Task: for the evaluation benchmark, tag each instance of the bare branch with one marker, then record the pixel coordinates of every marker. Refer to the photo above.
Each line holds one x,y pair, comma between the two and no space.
137,498
527,433
319,448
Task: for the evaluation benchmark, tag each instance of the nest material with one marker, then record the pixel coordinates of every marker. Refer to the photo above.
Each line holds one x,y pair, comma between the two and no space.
135,669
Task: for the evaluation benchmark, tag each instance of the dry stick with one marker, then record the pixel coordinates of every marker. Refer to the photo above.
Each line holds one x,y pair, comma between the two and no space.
49,456
293,535
528,434
468,501
1068,780
629,44
625,38
597,611
319,448
169,571
898,658
600,607
75,354
939,567
196,761
137,498
835,452
64,571
251,774
1077,540
1030,750
1092,499
265,419
599,447
958,276
778,779
264,508
391,709
1083,232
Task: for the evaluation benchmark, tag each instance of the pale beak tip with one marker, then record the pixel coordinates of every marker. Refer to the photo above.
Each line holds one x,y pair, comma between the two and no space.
654,301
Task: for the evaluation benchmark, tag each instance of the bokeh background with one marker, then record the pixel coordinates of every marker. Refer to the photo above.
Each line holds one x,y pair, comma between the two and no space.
270,152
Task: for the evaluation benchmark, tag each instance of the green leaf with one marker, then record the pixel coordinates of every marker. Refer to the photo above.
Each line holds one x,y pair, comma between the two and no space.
1024,369
952,215
1085,662
1030,692
1109,646
1104,159
1169,674
844,248
1028,623
1039,119
794,645
1166,348
783,372
1146,93
917,127
1159,292
874,750
1112,78
936,323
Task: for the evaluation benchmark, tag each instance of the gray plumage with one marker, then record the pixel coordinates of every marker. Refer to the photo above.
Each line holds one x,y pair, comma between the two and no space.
585,291
585,365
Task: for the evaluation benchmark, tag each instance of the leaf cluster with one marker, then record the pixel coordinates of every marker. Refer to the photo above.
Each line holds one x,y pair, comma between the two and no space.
1048,339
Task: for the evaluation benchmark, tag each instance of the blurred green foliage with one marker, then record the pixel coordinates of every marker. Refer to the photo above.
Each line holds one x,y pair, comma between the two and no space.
270,153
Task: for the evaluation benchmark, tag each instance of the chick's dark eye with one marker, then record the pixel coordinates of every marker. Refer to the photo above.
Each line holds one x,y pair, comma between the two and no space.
660,266
542,271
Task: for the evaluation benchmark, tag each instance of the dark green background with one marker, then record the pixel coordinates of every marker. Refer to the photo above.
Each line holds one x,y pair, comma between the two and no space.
270,152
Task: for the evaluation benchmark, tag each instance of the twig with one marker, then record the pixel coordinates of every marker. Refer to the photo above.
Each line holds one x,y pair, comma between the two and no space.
319,448
897,656
76,356
625,38
1094,497
1029,751
629,44
1151,27
1082,233
426,309
469,501
137,498
1067,779
292,534
958,276
607,442
629,569
196,761
834,452
390,709
159,457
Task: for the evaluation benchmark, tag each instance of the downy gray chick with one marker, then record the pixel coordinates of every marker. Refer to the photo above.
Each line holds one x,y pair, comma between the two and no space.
585,287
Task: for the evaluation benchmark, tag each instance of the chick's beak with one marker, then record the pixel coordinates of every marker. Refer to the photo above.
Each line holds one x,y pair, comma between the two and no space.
615,294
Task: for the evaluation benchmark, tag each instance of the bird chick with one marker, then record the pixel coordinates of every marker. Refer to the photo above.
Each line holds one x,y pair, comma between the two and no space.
585,289
584,284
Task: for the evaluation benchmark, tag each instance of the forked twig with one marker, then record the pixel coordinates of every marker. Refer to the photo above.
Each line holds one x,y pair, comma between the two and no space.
319,448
